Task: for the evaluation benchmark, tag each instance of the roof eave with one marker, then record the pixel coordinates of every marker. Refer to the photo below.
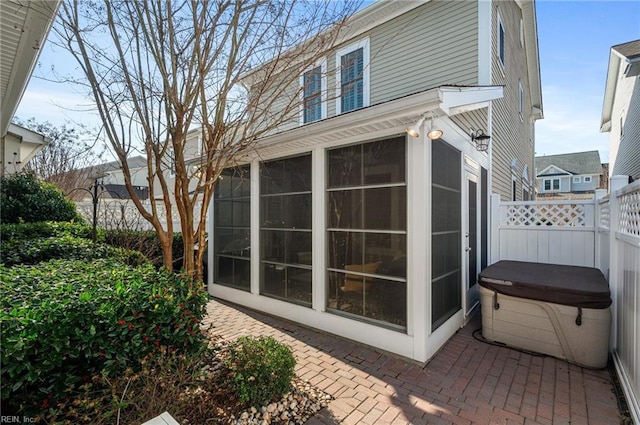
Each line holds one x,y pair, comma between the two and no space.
533,57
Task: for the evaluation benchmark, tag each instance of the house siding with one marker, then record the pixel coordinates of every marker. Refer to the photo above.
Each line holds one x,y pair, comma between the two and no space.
436,44
512,135
625,153
473,120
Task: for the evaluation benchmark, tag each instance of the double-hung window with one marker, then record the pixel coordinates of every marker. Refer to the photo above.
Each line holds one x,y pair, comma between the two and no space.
352,75
314,87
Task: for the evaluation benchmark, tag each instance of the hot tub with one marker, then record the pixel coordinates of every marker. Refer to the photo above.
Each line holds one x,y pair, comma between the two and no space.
562,311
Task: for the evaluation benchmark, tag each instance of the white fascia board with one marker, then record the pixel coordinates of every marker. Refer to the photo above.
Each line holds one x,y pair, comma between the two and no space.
27,135
541,173
610,91
533,56
456,100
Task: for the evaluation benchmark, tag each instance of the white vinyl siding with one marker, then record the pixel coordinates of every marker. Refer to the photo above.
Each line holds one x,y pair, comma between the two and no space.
511,136
436,44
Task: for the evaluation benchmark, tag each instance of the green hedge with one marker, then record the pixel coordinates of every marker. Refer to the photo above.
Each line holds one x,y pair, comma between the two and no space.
32,251
24,198
47,229
63,321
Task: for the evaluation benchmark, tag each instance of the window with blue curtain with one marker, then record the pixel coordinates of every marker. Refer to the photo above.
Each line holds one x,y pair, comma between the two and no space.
351,78
312,81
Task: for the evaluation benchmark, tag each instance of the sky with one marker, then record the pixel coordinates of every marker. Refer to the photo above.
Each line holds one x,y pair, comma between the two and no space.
574,38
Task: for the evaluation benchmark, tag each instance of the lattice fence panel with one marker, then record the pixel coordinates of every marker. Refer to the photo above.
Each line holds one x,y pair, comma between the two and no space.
630,213
605,214
546,215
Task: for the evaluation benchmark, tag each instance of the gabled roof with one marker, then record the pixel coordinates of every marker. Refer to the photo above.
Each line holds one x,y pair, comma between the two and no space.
627,57
24,27
100,170
575,163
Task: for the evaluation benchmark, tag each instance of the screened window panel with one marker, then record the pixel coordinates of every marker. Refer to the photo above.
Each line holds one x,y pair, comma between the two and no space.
345,167
445,210
285,236
446,165
367,241
231,235
446,230
345,209
385,208
346,248
445,257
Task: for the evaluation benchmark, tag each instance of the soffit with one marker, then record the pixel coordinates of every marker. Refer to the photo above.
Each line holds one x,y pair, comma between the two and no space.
24,25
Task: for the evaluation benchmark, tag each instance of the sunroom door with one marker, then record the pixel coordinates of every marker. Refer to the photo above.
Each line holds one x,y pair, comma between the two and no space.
470,241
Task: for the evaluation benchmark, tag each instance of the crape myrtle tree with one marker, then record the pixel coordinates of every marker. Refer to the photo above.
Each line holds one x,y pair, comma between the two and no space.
158,69
66,158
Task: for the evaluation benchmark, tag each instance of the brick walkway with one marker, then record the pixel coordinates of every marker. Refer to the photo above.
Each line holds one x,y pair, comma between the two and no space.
468,382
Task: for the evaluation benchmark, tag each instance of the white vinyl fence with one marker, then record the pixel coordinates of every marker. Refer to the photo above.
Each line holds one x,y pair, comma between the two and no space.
123,214
602,233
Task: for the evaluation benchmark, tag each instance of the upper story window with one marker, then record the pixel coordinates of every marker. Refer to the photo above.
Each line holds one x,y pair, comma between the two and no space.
501,41
587,179
352,75
314,87
577,179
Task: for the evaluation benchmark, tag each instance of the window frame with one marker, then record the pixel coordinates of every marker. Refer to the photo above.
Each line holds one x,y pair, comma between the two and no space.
588,179
577,179
366,66
501,38
322,64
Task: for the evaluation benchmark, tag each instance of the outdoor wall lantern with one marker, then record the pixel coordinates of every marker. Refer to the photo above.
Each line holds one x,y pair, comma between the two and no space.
414,130
480,139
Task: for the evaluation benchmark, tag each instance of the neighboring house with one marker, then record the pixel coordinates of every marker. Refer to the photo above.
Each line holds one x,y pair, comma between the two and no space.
621,109
351,218
23,29
109,176
560,176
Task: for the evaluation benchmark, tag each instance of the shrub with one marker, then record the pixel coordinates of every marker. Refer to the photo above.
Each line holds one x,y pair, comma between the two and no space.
261,369
47,229
64,321
23,198
147,242
32,251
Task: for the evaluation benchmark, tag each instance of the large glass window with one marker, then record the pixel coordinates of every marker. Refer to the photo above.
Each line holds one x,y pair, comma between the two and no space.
285,229
446,277
232,222
367,232
353,77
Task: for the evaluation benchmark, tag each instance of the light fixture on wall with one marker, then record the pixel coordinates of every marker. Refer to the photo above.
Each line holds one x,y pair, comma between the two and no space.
414,130
480,139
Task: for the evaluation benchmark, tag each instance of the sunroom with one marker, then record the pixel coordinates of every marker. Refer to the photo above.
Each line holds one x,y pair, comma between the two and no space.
353,226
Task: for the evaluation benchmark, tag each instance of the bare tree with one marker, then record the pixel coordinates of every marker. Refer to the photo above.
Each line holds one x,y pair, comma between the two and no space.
64,161
159,68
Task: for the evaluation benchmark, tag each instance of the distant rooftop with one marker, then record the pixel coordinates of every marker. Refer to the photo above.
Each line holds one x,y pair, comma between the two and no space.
575,163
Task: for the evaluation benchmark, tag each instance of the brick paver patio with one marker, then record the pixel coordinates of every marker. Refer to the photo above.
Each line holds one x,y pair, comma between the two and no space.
467,382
